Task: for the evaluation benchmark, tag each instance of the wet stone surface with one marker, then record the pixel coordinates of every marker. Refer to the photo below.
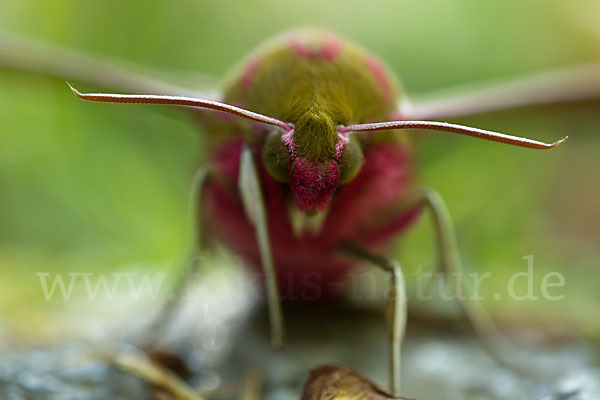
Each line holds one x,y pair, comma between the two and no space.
434,367
65,372
436,363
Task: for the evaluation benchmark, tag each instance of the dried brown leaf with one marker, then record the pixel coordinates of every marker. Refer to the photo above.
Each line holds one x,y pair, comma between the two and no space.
331,382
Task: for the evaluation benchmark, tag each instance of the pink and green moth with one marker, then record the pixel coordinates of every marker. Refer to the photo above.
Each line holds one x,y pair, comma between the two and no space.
311,167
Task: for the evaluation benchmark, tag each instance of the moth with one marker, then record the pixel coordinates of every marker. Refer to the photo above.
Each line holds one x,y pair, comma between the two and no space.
311,166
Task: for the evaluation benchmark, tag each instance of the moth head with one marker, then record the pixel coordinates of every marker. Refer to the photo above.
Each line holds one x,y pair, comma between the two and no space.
313,180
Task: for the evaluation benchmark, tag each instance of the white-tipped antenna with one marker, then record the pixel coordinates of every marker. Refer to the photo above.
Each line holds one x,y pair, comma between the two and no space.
182,102
460,129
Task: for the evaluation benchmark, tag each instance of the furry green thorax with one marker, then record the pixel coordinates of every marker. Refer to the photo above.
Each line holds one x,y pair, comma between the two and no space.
315,133
315,81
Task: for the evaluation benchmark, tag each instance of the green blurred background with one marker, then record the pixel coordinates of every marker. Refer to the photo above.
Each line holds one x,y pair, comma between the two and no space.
102,188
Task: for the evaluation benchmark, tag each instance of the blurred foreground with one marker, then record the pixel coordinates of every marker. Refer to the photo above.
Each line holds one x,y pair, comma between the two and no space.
221,336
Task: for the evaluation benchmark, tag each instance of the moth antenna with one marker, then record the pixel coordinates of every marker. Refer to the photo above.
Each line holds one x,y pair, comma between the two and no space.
460,129
182,102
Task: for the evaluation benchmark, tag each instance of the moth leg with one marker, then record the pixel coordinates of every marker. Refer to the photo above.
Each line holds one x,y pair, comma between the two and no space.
451,266
255,208
396,307
191,264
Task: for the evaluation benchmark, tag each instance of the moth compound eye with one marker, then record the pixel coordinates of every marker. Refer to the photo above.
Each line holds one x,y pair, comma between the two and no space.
351,160
276,157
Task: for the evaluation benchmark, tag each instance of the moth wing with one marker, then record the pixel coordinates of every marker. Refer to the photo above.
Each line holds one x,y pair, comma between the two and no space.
20,53
578,83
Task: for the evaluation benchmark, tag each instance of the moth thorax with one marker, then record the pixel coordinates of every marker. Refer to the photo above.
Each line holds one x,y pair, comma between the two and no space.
316,134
